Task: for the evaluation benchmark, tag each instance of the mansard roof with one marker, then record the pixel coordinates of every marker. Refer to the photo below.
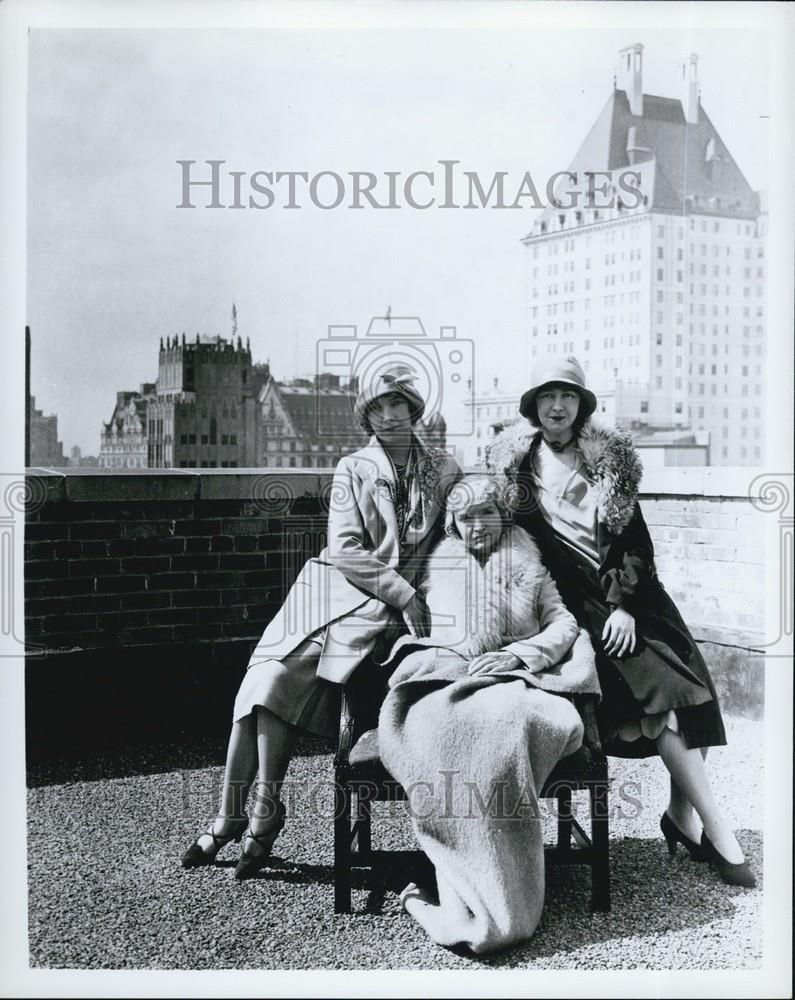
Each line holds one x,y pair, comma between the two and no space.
693,170
320,416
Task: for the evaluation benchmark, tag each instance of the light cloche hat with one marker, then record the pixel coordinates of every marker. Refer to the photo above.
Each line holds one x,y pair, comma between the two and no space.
567,370
393,378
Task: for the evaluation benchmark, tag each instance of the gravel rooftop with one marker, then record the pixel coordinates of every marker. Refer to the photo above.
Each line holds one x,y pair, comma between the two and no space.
106,890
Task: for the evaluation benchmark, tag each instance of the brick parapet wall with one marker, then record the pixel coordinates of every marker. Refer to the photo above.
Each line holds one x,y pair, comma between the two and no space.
146,591
153,557
128,557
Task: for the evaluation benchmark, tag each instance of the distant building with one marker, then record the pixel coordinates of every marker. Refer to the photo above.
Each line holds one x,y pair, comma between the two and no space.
491,411
42,447
307,424
123,441
45,448
203,413
661,295
669,449
77,460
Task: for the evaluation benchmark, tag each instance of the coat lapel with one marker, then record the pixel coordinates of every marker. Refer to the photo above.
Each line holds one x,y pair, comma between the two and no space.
381,476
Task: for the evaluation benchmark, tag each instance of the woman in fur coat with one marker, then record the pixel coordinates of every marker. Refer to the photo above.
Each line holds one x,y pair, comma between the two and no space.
575,486
476,718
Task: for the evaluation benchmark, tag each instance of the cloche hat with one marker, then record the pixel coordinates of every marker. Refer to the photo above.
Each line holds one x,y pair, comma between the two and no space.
552,369
393,378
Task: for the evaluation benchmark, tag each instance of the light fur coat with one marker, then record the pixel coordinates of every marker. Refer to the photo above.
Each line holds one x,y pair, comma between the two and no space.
475,750
477,607
508,601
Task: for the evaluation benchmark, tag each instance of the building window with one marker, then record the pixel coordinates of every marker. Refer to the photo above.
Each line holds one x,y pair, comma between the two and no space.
205,440
233,438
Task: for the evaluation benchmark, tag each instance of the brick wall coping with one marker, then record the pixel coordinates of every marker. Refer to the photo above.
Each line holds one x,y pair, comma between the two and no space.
222,484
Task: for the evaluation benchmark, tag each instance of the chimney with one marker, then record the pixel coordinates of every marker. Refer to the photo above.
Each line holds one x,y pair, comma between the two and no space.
689,89
630,76
636,153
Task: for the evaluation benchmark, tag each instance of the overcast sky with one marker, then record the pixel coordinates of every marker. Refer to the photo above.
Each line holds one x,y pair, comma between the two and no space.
114,264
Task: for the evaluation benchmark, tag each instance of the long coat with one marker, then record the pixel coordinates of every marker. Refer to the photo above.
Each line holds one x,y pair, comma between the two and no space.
666,670
363,558
473,752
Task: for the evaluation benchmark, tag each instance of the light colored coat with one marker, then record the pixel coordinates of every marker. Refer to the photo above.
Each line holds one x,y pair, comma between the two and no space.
362,560
474,752
509,602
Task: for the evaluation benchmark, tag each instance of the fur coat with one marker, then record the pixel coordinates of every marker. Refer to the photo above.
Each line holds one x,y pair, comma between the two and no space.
610,459
473,752
666,670
507,601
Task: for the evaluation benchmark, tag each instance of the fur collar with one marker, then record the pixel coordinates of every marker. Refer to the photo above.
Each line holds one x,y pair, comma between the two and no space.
477,607
611,464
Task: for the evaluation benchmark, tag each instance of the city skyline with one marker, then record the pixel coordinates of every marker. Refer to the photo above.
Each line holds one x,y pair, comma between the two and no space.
112,270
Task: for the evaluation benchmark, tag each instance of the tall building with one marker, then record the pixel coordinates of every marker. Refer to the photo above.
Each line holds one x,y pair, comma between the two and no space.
654,272
45,448
123,440
203,413
42,447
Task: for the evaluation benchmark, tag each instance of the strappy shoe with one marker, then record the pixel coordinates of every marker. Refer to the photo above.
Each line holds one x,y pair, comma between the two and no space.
250,864
196,856
733,873
674,835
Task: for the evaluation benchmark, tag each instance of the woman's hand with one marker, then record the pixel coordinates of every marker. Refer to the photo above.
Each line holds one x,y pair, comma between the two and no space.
618,634
415,616
499,662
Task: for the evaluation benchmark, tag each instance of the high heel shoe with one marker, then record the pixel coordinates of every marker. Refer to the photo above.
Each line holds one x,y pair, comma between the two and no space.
674,835
196,856
735,873
250,864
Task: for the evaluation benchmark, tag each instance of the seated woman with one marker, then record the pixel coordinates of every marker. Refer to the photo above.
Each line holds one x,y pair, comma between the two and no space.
575,485
474,721
387,503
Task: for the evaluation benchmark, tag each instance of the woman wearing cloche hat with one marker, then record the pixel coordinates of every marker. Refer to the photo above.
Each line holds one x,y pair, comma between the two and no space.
574,486
386,511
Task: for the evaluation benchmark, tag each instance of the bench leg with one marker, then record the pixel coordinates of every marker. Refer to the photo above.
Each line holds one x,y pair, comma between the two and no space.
342,846
564,820
364,829
600,866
